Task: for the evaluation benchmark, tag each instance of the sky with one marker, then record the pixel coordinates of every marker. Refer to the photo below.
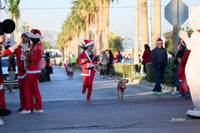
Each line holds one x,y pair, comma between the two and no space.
50,15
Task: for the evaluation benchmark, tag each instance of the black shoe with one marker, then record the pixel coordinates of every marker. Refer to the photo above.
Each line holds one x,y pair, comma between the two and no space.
19,110
4,112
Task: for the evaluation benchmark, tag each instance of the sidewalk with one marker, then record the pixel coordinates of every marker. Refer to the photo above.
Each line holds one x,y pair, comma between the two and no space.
66,109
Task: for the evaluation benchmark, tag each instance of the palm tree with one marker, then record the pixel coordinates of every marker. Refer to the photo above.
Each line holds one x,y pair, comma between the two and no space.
136,33
144,23
156,22
15,13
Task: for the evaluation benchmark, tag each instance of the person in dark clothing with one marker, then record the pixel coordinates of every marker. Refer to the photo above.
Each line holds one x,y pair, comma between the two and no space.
104,63
146,56
159,60
11,70
48,66
178,57
110,60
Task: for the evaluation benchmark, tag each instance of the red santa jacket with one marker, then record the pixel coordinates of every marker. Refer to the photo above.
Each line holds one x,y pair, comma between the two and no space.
7,52
86,65
34,59
146,56
181,68
20,62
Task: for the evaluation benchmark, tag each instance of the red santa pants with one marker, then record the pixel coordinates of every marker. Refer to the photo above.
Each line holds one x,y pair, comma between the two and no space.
2,99
31,89
87,83
22,96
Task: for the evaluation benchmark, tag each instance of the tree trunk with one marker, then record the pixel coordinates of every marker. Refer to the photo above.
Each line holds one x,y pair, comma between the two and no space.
136,32
100,24
156,22
96,37
144,24
106,25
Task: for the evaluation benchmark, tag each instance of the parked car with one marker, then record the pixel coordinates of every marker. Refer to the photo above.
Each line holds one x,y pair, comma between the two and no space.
4,64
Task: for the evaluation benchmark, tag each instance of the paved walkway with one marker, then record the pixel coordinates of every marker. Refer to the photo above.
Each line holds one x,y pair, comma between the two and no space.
66,109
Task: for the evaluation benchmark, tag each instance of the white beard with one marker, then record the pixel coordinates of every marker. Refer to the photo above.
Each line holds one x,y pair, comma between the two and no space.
24,46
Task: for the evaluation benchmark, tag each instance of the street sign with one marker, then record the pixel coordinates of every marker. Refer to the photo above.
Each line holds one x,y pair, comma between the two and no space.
176,12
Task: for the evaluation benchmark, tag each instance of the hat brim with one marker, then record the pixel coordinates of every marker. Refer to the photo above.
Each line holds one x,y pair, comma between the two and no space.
8,26
36,36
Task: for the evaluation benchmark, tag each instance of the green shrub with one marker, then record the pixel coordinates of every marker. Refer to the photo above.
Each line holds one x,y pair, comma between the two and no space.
169,75
168,78
149,72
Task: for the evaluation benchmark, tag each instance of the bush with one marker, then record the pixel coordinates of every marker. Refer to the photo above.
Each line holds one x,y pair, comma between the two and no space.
149,72
168,78
169,75
126,70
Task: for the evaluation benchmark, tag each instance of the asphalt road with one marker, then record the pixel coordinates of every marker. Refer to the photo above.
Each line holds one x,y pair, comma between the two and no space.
66,109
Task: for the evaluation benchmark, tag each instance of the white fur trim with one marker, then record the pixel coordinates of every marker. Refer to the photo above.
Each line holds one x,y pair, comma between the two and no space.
1,86
11,49
35,71
82,61
35,36
159,41
89,44
21,77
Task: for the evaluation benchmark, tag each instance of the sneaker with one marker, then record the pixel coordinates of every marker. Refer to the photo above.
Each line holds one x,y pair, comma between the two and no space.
19,110
154,92
4,112
174,93
160,93
1,122
38,111
178,95
23,112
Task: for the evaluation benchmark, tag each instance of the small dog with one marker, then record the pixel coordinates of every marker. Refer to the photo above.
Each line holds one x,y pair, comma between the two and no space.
70,73
121,86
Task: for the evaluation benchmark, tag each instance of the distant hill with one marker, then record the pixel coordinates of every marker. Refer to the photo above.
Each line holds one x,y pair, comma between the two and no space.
50,36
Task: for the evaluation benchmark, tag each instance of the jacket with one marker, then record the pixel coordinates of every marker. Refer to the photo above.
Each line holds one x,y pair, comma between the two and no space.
86,71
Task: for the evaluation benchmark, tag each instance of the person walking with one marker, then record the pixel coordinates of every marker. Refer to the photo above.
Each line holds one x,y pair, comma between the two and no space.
184,88
7,26
20,54
87,60
110,61
177,62
33,74
104,63
159,60
11,70
48,66
146,56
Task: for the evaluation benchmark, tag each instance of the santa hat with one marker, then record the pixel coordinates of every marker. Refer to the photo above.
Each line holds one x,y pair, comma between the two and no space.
183,43
35,33
88,43
27,34
159,40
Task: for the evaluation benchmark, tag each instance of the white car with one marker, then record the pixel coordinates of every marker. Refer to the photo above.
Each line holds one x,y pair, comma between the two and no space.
4,64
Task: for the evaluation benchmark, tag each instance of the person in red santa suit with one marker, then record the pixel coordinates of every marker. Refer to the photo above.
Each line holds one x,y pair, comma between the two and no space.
33,74
7,26
20,54
87,60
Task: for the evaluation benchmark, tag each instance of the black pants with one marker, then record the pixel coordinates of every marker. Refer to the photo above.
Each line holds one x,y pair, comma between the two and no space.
159,73
47,75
